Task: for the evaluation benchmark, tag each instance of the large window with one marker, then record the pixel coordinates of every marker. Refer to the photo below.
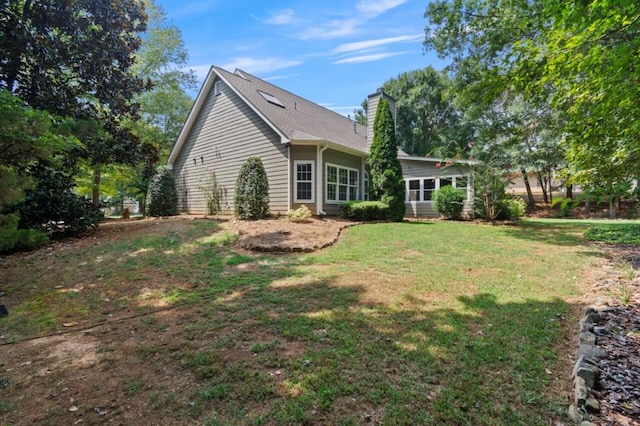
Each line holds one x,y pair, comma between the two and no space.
342,183
422,189
303,181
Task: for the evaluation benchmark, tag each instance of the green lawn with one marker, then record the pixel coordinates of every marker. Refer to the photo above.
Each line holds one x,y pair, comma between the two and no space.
404,323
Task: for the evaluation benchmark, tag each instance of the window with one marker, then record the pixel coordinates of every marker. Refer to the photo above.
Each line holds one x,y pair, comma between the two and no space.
271,99
414,190
217,88
429,185
422,189
303,185
342,184
366,186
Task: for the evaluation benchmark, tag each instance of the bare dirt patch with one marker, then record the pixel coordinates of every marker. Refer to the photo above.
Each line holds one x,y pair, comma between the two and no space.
281,235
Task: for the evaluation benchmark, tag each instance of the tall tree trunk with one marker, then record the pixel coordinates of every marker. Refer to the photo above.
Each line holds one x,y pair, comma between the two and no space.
612,209
95,195
570,191
587,203
527,185
543,185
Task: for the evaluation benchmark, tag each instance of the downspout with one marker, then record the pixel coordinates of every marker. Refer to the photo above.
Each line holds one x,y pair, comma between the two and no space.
289,177
320,180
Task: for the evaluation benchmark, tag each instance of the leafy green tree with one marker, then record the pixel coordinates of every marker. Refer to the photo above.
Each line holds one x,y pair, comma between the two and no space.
162,59
579,58
251,199
73,60
27,137
360,114
427,120
386,170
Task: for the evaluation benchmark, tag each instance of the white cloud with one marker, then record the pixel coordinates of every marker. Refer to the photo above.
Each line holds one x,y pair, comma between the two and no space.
281,76
365,11
368,58
368,44
343,110
256,66
373,8
283,17
332,29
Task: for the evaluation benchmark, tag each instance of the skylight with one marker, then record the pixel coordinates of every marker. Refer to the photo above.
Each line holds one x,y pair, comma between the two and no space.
271,99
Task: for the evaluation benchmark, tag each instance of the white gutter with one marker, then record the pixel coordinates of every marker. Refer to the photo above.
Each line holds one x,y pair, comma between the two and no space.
289,177
320,179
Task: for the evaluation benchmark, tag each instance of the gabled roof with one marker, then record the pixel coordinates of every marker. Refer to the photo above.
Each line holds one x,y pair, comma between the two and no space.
294,118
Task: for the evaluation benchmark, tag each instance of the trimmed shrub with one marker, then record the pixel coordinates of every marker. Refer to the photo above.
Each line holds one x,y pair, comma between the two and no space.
449,202
365,210
162,197
299,215
252,191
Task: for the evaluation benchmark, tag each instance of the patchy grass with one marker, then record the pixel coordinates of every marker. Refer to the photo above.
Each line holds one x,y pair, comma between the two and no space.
403,323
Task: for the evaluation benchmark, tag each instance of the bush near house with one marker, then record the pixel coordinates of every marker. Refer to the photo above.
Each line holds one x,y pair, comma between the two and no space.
365,210
512,208
162,198
252,191
300,215
449,202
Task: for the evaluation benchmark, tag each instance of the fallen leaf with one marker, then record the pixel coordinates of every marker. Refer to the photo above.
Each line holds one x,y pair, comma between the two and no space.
69,324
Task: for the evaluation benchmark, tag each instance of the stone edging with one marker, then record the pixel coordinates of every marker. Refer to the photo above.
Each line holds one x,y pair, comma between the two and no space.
585,371
296,249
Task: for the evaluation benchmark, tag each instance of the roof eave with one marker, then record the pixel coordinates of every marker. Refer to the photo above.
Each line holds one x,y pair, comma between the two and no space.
439,160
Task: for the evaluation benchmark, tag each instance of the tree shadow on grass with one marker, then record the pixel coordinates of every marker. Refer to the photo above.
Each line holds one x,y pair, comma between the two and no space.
340,360
270,343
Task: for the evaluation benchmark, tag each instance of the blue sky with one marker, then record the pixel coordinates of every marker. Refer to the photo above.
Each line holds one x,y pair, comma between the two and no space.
332,52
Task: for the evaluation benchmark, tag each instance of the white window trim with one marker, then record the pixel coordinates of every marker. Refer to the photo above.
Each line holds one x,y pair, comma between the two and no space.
295,181
326,183
217,88
454,179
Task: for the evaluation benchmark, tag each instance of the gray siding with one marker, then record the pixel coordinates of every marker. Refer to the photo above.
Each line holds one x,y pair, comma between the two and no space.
414,169
226,133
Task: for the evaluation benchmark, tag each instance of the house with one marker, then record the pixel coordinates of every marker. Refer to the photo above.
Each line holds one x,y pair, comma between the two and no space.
312,156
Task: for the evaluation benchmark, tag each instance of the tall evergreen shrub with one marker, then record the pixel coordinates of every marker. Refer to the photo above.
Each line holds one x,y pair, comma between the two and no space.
386,171
252,191
162,197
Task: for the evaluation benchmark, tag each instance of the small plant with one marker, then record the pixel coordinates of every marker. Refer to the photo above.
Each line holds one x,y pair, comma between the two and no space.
513,208
625,294
252,191
449,202
162,198
213,193
566,205
299,215
627,269
365,210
